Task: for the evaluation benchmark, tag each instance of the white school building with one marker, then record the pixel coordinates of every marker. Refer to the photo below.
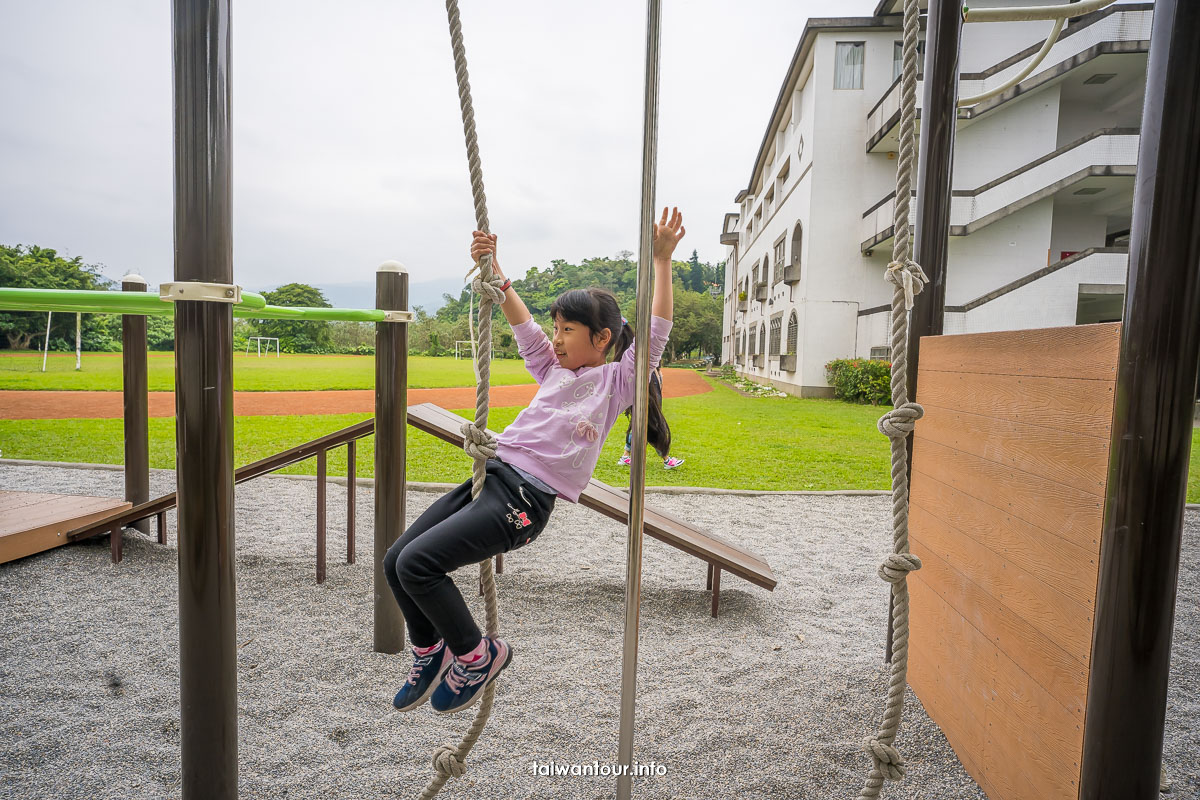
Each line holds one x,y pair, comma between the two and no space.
1043,189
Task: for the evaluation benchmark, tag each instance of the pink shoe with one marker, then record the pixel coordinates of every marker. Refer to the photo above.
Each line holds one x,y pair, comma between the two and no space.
624,461
672,463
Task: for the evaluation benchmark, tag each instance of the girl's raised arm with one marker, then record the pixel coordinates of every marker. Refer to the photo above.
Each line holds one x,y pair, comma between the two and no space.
532,342
666,235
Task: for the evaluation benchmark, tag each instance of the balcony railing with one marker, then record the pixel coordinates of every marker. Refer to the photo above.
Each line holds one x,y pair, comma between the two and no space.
791,274
1106,153
758,360
1114,29
760,291
788,363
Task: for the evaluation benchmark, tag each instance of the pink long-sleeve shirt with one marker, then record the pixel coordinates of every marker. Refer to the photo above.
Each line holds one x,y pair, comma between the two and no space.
557,439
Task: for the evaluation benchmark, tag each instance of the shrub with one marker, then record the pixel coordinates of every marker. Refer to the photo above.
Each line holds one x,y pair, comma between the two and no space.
860,380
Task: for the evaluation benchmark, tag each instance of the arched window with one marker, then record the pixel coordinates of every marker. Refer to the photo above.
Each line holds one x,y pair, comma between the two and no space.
753,342
791,334
797,241
776,325
762,338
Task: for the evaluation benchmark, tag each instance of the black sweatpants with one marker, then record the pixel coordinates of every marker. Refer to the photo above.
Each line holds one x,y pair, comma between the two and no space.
453,532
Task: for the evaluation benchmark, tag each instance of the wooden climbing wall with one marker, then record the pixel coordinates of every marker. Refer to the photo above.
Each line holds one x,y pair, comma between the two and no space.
1007,500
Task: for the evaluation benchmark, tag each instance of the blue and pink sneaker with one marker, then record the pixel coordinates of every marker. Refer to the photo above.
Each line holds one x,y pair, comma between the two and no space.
424,677
464,683
672,463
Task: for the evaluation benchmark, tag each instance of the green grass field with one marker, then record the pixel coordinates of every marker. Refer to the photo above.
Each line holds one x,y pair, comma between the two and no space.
728,441
102,372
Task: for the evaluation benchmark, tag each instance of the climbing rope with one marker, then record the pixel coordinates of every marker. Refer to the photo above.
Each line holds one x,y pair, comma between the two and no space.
450,761
897,424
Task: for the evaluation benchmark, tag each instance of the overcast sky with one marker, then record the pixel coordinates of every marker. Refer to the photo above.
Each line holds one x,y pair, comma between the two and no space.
347,139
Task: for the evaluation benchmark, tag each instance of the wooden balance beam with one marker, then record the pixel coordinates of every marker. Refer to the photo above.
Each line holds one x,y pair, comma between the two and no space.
721,554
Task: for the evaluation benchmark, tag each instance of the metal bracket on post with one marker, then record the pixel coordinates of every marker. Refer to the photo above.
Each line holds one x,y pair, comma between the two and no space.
197,290
397,316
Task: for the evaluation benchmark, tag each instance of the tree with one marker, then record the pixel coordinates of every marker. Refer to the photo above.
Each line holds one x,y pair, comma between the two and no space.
42,268
696,273
297,336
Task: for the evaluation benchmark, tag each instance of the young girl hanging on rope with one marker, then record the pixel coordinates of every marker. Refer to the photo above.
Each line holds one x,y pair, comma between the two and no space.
549,451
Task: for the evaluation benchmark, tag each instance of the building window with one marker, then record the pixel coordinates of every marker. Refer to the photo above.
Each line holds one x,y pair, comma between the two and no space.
797,241
776,332
780,247
848,66
898,57
762,338
881,353
769,202
754,282
791,334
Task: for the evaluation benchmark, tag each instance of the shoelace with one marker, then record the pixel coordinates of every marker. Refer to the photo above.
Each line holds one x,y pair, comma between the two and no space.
419,663
460,677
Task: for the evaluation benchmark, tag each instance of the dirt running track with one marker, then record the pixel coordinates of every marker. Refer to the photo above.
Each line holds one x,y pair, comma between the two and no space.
110,405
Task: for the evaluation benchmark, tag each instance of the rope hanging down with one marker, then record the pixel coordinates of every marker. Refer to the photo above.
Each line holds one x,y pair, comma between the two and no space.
450,760
909,280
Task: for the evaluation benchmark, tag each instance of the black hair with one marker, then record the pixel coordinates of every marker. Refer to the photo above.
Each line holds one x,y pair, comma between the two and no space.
597,309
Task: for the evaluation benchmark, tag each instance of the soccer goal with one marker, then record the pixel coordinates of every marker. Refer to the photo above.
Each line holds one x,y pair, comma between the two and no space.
462,349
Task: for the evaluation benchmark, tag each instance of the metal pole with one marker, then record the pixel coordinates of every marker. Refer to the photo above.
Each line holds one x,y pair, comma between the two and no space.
204,402
1152,427
637,481
391,423
935,172
78,337
137,416
46,344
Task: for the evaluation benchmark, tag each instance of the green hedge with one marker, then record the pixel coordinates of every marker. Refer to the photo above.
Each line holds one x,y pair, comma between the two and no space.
860,380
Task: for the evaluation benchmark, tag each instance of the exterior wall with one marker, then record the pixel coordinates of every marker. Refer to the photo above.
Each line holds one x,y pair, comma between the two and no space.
998,144
1007,249
1075,228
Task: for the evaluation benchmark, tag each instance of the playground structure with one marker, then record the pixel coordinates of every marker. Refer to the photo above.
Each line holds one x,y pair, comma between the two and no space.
1100,732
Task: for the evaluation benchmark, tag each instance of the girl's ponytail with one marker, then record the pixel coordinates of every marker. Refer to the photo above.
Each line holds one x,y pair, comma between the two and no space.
658,432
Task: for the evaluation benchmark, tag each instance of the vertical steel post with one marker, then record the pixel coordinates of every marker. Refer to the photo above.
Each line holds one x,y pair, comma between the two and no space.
935,174
137,416
1152,428
351,500
204,402
321,506
637,481
391,422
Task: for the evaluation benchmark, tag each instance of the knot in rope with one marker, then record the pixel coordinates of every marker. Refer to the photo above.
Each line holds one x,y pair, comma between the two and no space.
887,759
897,565
900,421
909,276
479,443
447,763
490,289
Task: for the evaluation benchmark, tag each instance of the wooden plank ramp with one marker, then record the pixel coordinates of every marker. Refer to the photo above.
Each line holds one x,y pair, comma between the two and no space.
721,554
33,522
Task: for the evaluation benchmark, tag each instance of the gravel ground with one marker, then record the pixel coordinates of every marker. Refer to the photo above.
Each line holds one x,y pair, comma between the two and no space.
768,701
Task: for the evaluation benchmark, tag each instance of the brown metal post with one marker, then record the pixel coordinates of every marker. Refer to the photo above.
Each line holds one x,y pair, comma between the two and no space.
935,173
204,402
351,501
137,416
391,422
1151,430
321,516
162,527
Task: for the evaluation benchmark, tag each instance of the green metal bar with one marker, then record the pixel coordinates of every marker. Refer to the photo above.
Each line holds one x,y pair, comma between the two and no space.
253,305
309,313
88,301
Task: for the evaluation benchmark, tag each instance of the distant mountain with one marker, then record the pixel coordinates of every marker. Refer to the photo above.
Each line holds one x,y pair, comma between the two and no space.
361,294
